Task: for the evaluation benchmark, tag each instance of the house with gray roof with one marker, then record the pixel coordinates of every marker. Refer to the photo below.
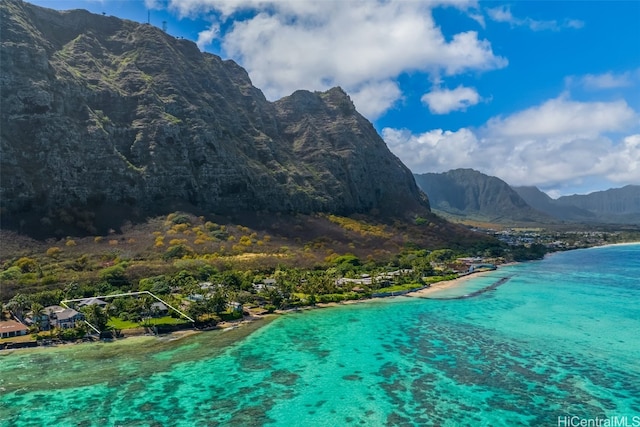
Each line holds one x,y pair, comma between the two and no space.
63,318
92,301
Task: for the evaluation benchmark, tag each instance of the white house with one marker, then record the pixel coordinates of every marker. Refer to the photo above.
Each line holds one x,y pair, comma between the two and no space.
11,328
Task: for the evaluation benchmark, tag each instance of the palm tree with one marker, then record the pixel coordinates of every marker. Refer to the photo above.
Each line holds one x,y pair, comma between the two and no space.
96,316
38,315
18,304
218,301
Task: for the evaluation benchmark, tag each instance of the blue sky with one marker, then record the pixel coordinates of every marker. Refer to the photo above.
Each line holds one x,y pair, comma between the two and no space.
543,93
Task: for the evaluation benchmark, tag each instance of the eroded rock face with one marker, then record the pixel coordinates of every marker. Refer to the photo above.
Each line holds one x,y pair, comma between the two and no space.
103,116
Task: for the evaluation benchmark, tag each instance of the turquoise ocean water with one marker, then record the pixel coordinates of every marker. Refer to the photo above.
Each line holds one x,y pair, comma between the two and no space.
560,338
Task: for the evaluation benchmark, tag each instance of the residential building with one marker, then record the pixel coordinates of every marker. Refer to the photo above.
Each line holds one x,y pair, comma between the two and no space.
11,328
63,318
92,301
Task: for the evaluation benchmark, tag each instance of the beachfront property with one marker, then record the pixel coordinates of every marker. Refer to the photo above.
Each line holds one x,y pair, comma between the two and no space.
235,306
92,301
159,309
195,297
365,279
11,328
63,318
475,264
474,268
208,289
267,284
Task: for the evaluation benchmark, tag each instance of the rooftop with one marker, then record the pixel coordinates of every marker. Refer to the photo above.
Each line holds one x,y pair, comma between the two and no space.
11,326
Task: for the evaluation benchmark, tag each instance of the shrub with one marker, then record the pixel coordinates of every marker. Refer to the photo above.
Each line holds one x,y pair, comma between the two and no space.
72,334
211,226
27,265
347,259
157,285
420,221
180,228
159,241
54,252
11,273
177,251
50,279
175,242
113,275
70,242
360,227
179,218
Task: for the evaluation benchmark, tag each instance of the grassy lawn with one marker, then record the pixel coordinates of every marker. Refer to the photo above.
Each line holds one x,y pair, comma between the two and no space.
435,279
20,338
116,323
167,320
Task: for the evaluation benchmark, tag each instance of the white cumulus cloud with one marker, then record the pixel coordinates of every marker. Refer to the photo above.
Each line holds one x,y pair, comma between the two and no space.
443,101
205,37
302,44
562,117
434,151
623,164
608,80
374,98
560,141
503,14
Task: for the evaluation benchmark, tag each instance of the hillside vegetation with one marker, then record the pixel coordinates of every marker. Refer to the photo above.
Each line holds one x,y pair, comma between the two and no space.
181,241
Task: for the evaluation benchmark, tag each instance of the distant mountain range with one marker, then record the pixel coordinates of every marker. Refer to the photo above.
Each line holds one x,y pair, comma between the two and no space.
469,193
466,193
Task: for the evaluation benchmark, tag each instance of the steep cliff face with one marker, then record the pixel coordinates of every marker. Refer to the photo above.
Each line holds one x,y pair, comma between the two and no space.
615,201
469,193
102,116
541,201
616,205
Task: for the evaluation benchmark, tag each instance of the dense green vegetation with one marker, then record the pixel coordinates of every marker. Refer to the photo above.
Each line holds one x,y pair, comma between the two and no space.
214,271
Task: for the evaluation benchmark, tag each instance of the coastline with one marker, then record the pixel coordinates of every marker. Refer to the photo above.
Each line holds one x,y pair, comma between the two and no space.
320,356
225,326
615,244
448,284
257,315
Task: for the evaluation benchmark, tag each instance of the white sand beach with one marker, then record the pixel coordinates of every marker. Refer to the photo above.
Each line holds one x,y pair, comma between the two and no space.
446,284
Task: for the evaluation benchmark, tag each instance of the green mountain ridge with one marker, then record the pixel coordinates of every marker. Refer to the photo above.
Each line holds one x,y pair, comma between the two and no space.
466,193
469,194
616,205
105,120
